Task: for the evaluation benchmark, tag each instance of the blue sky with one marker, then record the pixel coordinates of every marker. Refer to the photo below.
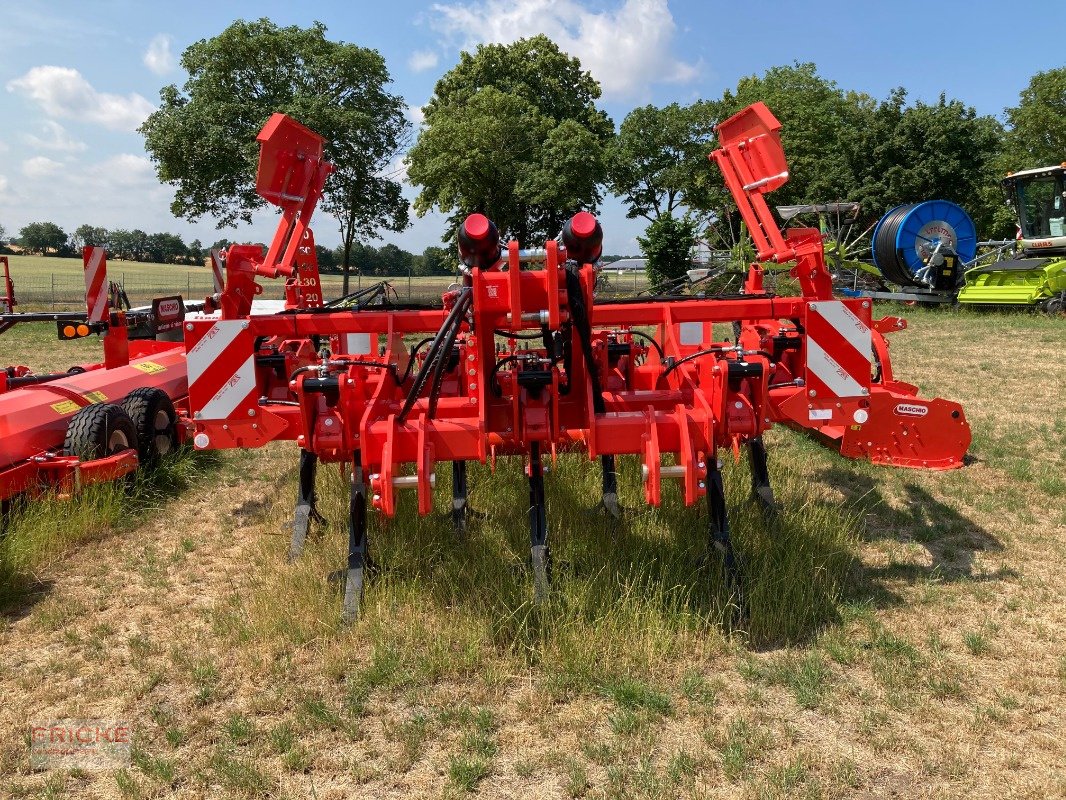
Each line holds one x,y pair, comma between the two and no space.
76,78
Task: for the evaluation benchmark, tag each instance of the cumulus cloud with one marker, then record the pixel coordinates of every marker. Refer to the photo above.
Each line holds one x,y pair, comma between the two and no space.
158,57
40,167
627,48
63,92
421,60
55,137
124,170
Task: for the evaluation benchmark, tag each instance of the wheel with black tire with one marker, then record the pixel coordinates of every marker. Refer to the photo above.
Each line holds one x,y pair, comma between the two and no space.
1054,306
99,430
154,420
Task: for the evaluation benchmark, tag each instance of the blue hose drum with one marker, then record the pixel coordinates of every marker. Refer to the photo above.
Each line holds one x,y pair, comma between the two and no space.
924,244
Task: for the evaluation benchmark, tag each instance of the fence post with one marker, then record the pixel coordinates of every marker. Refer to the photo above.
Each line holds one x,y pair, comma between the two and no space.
188,285
53,277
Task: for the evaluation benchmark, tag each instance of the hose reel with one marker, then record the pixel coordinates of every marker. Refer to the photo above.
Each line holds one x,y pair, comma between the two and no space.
924,244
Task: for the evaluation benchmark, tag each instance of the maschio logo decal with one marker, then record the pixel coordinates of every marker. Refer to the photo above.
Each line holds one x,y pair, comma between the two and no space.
911,410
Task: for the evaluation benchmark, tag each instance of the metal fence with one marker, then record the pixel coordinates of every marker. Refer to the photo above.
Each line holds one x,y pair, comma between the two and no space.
65,291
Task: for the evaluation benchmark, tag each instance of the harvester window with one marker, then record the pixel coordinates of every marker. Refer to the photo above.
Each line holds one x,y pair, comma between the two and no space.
1041,206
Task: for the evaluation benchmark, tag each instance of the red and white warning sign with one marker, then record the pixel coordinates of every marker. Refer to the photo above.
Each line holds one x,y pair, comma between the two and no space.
221,362
95,262
839,351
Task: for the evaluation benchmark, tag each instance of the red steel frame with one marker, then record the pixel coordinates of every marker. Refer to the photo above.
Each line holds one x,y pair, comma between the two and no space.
341,382
35,410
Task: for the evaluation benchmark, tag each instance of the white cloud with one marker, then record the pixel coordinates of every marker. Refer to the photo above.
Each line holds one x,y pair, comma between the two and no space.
55,138
396,169
3,183
40,167
63,92
123,170
421,60
158,57
416,115
627,48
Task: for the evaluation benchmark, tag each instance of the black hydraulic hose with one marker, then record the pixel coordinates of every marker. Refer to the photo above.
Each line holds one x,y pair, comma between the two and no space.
494,383
658,347
517,335
575,300
453,320
443,358
411,361
692,357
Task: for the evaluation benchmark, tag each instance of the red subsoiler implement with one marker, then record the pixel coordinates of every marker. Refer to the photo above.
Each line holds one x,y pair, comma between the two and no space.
523,361
96,421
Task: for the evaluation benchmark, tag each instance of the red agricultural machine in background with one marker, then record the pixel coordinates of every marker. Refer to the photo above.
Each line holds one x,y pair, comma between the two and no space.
96,421
521,361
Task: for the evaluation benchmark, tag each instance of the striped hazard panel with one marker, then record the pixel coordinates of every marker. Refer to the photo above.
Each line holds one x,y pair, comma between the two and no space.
95,283
221,361
839,351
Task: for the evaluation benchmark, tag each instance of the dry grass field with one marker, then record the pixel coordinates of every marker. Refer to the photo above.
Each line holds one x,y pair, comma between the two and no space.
907,635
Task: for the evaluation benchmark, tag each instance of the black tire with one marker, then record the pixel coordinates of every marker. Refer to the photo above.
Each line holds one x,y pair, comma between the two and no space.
99,430
1054,306
154,420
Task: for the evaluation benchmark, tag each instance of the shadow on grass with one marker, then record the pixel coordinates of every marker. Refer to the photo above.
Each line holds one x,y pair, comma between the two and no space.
42,530
626,594
951,539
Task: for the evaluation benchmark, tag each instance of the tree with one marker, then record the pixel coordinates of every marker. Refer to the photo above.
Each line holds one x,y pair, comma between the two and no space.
658,162
40,237
3,234
513,132
927,151
668,244
437,261
90,236
327,259
196,252
202,138
1037,133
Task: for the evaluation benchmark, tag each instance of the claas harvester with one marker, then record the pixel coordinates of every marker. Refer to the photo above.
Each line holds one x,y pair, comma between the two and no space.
520,359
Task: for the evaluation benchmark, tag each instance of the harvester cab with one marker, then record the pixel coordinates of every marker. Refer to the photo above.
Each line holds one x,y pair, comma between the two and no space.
1038,276
1039,197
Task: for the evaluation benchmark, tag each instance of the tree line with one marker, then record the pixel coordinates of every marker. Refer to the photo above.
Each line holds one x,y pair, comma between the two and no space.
515,131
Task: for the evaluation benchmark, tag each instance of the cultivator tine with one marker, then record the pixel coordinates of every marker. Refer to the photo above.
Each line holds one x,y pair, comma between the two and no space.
357,555
538,527
761,490
306,508
460,507
610,487
718,531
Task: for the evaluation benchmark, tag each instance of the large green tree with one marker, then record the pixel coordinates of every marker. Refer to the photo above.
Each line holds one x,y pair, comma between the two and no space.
658,162
1037,132
943,150
513,132
42,237
202,138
